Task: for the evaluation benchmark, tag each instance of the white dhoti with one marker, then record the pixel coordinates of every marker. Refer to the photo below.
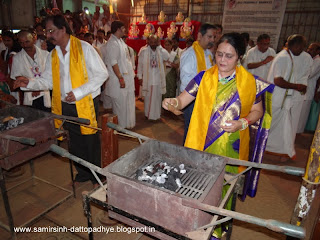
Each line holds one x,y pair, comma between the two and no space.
283,128
304,115
124,107
106,100
296,113
152,102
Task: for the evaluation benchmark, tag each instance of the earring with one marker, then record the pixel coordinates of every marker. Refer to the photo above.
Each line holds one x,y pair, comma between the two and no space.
239,63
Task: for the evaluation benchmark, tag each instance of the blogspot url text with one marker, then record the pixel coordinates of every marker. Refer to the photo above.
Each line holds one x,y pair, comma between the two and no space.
81,229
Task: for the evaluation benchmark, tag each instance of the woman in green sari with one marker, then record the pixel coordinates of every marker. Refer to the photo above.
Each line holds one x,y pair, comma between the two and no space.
229,99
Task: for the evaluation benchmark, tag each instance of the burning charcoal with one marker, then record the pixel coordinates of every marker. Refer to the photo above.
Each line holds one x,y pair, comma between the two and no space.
178,182
144,177
162,175
182,170
12,123
175,174
167,169
149,168
163,164
160,179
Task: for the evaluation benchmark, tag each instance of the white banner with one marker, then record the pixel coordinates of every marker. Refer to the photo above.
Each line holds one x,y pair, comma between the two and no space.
254,17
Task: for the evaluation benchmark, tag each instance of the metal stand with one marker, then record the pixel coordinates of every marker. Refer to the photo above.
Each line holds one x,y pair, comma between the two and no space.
33,178
97,196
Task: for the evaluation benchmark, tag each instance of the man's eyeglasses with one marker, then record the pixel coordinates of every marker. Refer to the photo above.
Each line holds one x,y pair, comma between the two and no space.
50,31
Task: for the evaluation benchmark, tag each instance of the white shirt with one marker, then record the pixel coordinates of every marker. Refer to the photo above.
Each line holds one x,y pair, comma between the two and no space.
302,69
281,67
153,73
188,66
96,70
254,56
98,44
151,69
314,76
24,65
117,53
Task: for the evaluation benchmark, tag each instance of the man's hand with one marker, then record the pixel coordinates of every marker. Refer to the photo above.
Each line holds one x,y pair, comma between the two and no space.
35,93
301,88
122,83
70,97
268,59
20,82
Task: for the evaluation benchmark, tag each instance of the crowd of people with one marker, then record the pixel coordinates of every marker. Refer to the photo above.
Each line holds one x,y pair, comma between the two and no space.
238,100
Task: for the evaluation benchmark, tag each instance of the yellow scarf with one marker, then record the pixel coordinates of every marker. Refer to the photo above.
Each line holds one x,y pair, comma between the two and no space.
201,59
205,101
79,76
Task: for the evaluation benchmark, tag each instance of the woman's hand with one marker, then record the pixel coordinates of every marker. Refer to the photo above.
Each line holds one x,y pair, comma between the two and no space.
232,126
172,105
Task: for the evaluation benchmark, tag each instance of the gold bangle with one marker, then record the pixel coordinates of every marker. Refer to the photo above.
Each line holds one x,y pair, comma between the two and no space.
177,103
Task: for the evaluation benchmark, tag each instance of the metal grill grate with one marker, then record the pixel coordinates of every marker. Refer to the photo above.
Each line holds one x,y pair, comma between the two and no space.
194,183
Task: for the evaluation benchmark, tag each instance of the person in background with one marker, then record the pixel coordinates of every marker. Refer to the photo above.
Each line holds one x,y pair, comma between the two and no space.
175,45
194,60
12,48
228,102
80,35
314,51
172,65
151,75
88,37
219,32
189,42
30,62
41,41
108,35
251,43
259,58
286,109
120,86
100,41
